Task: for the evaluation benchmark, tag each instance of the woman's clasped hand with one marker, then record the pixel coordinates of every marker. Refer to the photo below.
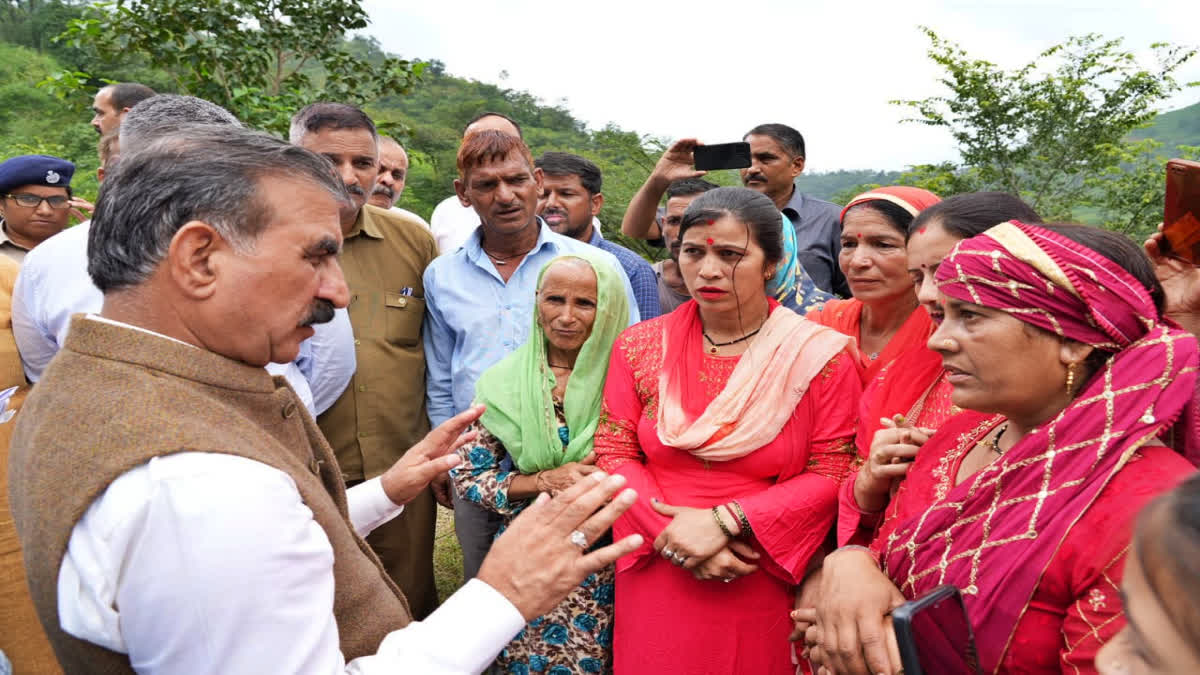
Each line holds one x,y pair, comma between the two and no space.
693,540
562,478
853,633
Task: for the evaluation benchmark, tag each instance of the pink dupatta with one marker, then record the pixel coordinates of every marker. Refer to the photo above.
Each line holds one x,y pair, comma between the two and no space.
994,534
762,392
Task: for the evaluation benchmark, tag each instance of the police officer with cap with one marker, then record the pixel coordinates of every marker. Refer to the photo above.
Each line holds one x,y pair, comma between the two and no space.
35,201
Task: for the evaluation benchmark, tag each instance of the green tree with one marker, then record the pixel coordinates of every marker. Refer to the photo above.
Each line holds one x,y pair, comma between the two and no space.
261,59
1129,193
1045,129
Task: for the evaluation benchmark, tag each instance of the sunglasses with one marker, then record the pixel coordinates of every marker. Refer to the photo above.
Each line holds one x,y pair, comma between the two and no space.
33,201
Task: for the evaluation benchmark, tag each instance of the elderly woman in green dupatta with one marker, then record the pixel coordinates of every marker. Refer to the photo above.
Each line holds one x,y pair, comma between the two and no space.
543,405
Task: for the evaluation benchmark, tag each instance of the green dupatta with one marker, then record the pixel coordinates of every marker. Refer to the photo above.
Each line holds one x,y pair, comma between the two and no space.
517,390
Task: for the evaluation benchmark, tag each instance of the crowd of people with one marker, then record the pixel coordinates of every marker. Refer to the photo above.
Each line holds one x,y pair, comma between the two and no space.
249,378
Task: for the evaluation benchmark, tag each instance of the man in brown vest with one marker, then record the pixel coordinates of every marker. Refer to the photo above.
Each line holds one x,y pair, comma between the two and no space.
179,510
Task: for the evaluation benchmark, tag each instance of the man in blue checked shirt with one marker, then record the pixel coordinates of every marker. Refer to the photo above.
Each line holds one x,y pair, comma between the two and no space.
570,201
479,299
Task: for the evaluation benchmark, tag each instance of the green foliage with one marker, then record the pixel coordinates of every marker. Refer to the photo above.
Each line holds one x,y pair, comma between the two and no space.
261,59
32,121
1130,192
1047,128
35,23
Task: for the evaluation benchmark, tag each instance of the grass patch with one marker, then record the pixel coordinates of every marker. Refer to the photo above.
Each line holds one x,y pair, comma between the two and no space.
447,556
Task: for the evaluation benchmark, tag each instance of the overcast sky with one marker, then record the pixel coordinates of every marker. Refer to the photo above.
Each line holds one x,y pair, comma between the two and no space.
713,69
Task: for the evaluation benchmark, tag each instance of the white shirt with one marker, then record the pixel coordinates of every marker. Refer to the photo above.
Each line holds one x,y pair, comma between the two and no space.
54,284
409,214
204,562
451,224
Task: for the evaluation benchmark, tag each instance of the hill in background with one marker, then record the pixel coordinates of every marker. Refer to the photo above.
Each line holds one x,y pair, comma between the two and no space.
1174,128
429,121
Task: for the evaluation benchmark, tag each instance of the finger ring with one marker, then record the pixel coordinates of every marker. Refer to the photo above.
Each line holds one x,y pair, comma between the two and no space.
668,553
727,579
579,539
947,344
678,558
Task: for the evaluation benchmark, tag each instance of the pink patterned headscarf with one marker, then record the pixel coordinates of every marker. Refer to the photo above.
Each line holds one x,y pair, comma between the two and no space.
994,534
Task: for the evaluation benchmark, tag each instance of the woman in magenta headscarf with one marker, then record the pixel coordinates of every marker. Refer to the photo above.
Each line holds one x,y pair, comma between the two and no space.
1056,350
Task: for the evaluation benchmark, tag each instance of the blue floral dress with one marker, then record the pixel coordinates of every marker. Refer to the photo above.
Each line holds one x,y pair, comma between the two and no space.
575,636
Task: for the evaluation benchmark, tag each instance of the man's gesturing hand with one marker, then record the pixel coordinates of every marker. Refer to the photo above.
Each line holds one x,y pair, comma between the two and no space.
429,458
535,564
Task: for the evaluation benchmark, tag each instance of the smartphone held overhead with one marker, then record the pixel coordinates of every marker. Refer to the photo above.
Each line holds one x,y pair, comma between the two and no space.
721,156
1181,210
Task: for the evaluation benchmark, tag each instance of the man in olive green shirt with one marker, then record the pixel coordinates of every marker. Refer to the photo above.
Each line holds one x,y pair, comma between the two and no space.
382,411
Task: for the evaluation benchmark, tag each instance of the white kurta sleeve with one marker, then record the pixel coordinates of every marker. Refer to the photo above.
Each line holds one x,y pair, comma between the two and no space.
203,563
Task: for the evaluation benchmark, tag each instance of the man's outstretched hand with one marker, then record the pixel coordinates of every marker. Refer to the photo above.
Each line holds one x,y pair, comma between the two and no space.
430,458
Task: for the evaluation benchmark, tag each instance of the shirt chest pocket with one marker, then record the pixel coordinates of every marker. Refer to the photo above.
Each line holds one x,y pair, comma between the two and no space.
402,316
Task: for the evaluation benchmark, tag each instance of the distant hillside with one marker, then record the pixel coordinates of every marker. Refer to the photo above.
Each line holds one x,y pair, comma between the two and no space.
830,184
1175,128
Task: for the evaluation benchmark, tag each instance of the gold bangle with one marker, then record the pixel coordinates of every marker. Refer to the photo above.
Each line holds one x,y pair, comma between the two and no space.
745,522
721,524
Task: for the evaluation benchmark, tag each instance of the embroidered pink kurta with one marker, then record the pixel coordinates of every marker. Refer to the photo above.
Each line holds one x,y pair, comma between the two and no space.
666,620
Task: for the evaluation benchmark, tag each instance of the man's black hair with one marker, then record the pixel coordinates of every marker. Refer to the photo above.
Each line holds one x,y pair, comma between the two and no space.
789,138
128,94
566,164
689,186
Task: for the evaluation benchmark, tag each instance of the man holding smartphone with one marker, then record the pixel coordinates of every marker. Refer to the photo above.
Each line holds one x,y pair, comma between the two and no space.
776,159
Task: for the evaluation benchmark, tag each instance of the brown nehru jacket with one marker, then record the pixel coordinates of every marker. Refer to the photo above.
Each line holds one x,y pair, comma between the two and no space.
130,396
382,413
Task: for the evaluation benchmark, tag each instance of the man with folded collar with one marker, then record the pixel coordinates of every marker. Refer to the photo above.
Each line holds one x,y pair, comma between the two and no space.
382,412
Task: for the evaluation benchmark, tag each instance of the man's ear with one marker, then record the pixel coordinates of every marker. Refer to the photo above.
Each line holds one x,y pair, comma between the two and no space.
460,189
597,203
194,259
538,180
797,166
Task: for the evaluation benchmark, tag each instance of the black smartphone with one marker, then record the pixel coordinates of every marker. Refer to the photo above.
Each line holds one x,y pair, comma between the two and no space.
721,156
1181,210
934,634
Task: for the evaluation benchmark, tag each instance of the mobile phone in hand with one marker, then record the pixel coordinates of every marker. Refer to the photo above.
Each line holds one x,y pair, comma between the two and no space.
934,634
721,156
1181,210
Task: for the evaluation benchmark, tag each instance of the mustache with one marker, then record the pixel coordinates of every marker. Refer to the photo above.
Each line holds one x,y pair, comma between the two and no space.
320,312
356,189
383,190
753,176
555,210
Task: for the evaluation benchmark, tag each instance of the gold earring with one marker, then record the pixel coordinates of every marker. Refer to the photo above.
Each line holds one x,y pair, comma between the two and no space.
947,344
1071,367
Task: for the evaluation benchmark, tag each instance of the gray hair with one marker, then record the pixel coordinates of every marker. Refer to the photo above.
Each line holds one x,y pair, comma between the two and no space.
165,114
317,116
206,173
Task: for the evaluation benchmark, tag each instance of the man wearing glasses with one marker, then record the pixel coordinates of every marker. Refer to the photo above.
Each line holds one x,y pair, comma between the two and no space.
35,201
